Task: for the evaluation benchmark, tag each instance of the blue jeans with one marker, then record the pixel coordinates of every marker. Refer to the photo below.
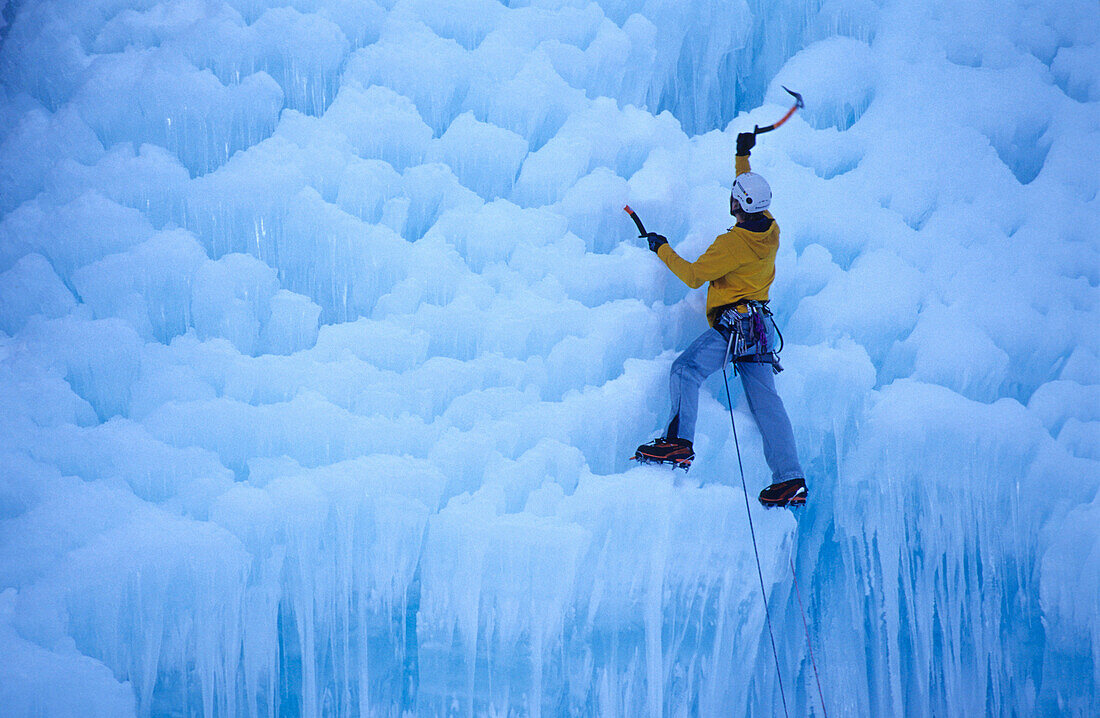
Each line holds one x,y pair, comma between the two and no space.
704,357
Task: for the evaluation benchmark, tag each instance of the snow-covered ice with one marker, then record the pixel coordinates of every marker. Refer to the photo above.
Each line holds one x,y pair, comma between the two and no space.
324,341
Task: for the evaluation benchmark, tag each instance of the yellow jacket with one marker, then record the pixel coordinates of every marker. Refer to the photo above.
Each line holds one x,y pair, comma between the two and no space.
739,264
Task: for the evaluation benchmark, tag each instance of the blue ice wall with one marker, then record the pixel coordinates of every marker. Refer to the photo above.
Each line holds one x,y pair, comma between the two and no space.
324,343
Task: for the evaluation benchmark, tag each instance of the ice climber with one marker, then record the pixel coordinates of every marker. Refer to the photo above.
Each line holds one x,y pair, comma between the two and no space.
740,266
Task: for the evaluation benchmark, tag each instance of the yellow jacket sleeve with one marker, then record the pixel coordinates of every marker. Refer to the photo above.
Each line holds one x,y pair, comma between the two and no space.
728,252
741,165
717,261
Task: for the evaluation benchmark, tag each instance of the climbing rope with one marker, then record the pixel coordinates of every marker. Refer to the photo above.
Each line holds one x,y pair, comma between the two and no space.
752,530
809,645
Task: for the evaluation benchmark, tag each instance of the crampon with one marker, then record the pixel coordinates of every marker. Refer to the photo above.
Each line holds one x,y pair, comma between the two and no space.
674,452
791,493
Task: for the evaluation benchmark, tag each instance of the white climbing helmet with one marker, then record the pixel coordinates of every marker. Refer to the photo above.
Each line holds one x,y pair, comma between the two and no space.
752,192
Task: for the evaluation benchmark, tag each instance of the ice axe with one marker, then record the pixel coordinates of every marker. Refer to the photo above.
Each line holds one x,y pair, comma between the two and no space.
798,104
758,130
637,222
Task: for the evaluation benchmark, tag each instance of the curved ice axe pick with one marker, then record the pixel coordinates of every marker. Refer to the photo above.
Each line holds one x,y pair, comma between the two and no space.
638,222
798,104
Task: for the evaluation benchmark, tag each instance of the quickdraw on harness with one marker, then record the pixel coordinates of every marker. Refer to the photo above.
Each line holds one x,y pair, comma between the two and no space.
747,332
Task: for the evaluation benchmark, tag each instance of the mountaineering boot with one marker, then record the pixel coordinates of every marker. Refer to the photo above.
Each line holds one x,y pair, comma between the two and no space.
785,493
677,452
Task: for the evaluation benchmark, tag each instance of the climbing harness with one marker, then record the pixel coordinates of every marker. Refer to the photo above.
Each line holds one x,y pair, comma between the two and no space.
746,330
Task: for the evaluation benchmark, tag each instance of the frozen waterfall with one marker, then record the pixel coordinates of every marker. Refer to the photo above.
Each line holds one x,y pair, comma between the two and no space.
324,343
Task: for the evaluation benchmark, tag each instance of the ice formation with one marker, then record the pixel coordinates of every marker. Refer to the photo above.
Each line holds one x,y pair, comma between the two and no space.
324,341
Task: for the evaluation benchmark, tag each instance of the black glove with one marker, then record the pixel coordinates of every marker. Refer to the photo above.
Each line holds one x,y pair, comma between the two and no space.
655,241
745,142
